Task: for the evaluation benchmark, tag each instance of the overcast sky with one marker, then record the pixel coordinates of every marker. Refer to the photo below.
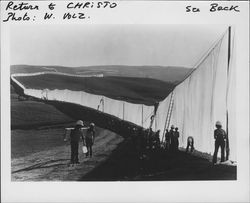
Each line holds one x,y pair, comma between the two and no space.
86,45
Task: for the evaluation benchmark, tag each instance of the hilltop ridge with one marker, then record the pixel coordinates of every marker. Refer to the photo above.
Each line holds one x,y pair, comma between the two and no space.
167,74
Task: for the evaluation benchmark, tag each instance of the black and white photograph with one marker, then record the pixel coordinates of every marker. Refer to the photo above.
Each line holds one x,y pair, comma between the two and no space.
122,103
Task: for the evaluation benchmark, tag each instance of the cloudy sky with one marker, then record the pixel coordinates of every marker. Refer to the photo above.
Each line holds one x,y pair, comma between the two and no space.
86,45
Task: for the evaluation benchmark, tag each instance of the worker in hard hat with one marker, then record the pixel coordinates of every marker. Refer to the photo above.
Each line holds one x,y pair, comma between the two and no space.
167,140
171,138
176,140
190,143
220,137
90,138
75,136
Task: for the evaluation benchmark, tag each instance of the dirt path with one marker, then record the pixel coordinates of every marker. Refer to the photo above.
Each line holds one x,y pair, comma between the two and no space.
52,164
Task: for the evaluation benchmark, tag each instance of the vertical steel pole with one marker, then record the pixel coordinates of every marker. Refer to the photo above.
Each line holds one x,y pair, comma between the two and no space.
228,66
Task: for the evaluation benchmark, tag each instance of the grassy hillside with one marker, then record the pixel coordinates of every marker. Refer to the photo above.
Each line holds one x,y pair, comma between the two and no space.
32,114
167,74
138,90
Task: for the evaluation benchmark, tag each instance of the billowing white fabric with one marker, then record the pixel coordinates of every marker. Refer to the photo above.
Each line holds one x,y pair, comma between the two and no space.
135,113
113,107
89,100
193,105
148,111
161,115
200,100
33,93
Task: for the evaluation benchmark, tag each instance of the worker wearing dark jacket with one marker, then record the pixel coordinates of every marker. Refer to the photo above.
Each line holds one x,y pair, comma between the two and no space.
75,136
176,139
171,137
90,138
167,140
220,137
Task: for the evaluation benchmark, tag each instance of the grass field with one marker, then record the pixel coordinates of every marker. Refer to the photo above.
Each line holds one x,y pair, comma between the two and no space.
136,90
32,114
29,116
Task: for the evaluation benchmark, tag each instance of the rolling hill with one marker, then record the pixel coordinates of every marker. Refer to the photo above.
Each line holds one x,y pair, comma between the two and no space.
168,74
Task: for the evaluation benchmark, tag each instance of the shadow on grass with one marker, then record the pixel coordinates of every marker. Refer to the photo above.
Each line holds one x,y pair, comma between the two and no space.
42,165
126,164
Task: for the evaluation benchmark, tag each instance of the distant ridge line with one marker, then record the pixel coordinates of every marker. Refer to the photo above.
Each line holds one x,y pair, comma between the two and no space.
53,73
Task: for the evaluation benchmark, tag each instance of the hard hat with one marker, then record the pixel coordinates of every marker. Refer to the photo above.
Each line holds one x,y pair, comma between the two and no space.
92,124
218,123
79,122
172,126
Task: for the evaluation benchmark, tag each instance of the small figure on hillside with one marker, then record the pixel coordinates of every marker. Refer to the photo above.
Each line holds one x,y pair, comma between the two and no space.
171,138
167,140
190,143
220,137
176,140
90,138
75,136
150,138
157,137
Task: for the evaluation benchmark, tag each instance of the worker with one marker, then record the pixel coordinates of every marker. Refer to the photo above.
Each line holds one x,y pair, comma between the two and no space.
75,136
176,140
139,141
167,140
150,138
171,138
220,137
190,143
157,139
90,138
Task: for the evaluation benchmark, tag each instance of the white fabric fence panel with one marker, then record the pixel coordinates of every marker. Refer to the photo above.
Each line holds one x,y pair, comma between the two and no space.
200,100
33,93
90,100
120,109
161,115
148,111
133,113
113,107
196,103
